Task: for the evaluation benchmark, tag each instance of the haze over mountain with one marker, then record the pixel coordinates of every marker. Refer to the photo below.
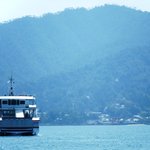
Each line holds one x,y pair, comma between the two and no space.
81,61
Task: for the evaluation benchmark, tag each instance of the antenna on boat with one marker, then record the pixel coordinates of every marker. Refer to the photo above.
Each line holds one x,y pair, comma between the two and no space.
11,81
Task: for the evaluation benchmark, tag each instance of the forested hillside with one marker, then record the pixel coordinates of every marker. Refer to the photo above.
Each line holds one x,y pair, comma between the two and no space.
84,66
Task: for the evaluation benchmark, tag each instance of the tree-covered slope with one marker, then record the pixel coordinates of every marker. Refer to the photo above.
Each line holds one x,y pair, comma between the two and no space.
117,86
79,62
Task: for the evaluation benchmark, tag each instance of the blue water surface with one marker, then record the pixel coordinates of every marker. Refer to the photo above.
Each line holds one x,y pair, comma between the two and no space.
134,137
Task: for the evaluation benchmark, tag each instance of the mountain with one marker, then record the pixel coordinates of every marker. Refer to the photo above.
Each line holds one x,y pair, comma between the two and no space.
84,66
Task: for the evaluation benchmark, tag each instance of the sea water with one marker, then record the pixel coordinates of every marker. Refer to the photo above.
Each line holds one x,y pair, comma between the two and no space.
134,137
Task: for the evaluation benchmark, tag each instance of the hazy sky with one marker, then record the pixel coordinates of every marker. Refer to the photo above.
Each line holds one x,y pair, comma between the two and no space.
10,9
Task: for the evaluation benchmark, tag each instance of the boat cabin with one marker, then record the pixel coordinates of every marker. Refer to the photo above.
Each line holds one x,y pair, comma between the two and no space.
17,107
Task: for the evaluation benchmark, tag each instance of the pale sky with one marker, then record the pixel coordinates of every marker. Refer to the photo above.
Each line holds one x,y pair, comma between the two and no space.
11,9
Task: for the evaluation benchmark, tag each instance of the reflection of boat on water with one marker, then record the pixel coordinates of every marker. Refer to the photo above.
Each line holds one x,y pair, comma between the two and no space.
18,114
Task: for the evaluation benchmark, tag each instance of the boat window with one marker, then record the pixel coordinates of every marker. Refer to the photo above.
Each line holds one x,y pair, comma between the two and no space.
4,102
13,102
9,102
9,113
22,102
17,103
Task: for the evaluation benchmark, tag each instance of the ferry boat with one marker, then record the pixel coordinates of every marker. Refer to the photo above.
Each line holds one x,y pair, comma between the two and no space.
18,115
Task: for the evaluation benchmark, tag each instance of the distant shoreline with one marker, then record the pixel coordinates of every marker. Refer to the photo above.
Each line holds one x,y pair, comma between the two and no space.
42,124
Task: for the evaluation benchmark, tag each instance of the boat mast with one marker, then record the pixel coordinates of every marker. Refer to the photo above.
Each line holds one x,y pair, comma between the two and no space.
11,91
